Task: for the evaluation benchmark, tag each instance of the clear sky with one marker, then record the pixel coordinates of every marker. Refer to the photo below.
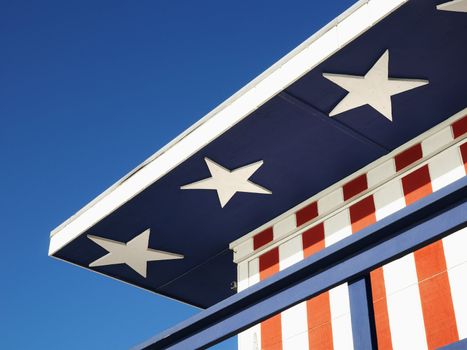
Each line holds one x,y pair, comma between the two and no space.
88,90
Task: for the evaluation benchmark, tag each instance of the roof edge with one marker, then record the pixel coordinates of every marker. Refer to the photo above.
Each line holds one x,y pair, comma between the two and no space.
328,40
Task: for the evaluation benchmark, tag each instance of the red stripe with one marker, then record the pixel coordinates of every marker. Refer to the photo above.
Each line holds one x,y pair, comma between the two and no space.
463,149
409,156
417,185
435,295
362,214
313,240
269,264
271,329
263,238
271,333
380,307
307,213
318,308
459,128
354,187
319,322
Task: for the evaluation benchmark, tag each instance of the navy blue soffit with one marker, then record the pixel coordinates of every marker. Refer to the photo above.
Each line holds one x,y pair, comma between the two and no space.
417,225
304,151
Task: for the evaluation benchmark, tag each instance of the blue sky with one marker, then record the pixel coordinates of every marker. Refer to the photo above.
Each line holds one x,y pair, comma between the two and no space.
88,90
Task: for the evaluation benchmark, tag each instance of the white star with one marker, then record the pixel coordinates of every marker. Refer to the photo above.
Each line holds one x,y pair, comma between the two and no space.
135,253
374,89
456,6
228,182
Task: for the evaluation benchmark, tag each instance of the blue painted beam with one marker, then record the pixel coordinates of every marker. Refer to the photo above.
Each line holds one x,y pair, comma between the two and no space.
361,309
421,223
459,345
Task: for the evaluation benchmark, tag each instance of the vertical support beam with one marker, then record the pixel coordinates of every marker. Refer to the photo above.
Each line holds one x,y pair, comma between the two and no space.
361,306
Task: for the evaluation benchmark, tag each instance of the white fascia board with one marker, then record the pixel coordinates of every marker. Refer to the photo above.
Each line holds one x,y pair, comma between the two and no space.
339,32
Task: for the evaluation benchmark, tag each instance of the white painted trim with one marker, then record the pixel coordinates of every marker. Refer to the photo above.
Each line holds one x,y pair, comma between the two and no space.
445,168
285,72
242,276
339,302
365,170
388,199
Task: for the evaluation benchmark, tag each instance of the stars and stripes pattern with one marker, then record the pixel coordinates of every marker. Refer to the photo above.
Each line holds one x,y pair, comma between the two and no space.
359,214
319,323
379,91
434,274
375,88
318,207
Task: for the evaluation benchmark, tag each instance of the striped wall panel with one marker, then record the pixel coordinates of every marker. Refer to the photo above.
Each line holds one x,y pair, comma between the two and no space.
322,322
420,299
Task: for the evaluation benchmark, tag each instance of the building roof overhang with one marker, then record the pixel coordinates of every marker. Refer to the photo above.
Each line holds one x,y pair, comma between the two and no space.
279,129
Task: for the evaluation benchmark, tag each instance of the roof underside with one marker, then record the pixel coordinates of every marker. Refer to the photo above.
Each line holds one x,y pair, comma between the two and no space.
304,151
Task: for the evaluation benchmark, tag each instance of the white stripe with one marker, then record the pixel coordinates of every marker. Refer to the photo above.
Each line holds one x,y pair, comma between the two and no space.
250,339
455,251
381,173
337,227
293,320
342,333
330,201
284,226
290,252
253,268
404,305
436,141
242,276
339,300
445,168
340,317
295,327
389,199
